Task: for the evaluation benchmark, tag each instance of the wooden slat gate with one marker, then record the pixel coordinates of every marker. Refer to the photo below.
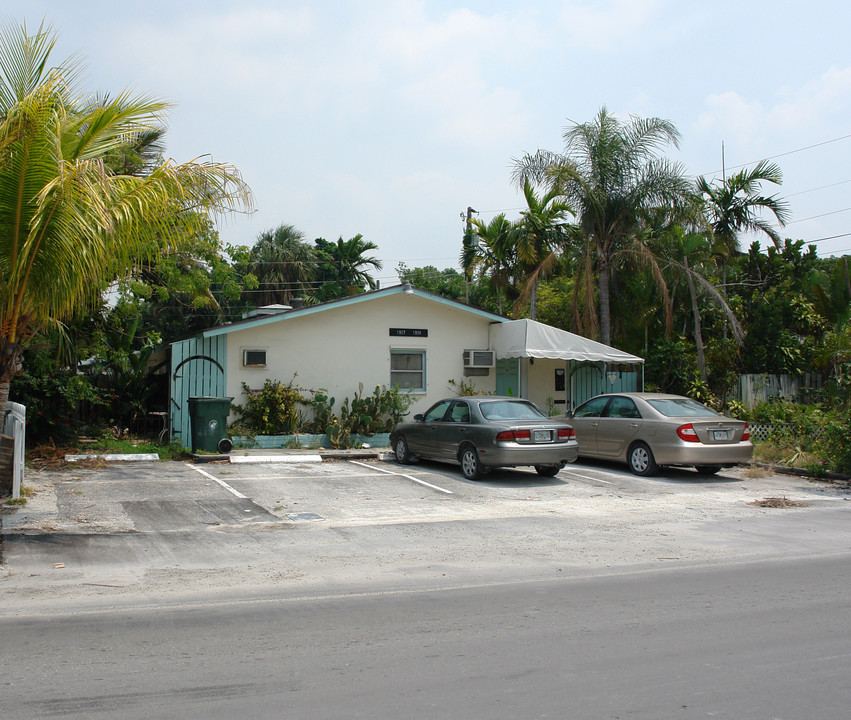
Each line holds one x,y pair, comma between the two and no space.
198,369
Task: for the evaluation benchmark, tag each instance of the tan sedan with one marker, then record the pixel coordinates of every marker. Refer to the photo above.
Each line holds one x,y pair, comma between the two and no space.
648,430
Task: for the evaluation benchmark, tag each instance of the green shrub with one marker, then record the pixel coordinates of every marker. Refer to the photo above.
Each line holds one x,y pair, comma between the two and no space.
51,402
791,422
832,446
272,410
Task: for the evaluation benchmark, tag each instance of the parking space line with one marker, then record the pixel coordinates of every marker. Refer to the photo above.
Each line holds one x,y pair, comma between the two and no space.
220,482
409,477
588,477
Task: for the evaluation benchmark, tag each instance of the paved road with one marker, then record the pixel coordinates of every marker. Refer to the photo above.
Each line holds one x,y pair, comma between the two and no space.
753,641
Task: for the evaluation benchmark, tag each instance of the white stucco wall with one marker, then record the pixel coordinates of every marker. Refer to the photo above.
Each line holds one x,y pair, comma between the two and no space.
339,347
540,382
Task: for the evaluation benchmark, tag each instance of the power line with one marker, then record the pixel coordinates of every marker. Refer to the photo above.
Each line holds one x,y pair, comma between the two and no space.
813,217
783,154
823,187
829,237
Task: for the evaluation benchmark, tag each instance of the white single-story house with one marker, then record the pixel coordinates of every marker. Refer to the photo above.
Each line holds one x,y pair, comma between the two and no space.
423,343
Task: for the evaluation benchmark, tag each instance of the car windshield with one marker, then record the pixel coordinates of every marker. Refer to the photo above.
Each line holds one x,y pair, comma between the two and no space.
681,407
510,410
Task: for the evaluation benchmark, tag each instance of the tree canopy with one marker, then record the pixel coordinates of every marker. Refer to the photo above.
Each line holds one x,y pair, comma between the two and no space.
71,223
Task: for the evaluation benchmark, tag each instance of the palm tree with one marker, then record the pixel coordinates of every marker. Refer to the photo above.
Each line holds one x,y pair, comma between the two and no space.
283,264
535,238
70,225
610,173
350,262
735,205
493,253
685,252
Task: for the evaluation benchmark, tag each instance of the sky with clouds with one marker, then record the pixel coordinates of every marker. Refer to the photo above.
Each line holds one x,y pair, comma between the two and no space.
390,117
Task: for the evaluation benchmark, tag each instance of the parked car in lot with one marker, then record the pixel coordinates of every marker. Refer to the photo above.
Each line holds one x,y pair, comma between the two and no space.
484,432
648,430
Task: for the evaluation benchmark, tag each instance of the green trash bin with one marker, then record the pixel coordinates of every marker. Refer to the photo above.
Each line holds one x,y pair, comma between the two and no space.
208,419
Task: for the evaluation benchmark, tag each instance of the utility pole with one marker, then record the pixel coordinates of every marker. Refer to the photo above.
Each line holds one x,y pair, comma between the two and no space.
468,243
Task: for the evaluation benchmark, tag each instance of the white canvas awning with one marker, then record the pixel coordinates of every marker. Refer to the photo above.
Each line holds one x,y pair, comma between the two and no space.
528,338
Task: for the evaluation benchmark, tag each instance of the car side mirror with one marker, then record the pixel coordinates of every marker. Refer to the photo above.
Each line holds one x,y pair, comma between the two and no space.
569,414
419,417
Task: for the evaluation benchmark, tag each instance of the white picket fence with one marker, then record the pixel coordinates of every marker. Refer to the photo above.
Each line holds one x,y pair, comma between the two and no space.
15,426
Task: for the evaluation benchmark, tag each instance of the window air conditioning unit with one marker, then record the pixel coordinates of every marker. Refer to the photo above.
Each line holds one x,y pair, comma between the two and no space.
254,358
479,358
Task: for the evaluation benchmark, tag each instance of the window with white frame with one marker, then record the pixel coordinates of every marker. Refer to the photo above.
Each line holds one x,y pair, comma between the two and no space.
407,370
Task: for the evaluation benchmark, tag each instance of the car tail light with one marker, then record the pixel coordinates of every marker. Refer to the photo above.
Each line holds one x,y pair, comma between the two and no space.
688,433
746,434
566,433
514,435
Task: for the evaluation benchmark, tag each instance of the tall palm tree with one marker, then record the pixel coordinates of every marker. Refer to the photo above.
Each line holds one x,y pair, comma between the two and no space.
685,252
69,224
493,253
611,174
284,265
536,237
735,205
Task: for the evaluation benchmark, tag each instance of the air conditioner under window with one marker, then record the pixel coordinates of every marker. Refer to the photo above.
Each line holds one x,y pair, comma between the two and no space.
479,358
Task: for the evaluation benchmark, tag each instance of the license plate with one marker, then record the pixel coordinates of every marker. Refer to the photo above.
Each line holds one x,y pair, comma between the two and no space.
542,436
719,435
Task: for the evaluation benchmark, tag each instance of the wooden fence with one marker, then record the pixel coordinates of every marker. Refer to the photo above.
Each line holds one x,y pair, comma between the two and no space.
753,389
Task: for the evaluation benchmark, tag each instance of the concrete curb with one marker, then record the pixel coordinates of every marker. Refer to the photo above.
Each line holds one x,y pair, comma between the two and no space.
803,472
246,459
238,457
128,457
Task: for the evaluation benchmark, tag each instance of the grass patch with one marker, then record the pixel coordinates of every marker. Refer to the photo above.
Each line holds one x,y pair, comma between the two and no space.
51,456
772,452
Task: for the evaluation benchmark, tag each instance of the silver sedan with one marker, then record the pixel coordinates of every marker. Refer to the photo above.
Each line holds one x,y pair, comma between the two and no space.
648,430
484,432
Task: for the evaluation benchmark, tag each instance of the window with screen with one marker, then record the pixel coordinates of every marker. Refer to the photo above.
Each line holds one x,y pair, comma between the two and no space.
407,370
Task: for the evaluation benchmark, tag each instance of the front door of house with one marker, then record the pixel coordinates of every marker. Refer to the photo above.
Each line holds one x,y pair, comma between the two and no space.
508,377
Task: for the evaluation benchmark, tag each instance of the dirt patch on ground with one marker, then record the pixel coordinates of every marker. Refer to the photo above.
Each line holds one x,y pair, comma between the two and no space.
778,502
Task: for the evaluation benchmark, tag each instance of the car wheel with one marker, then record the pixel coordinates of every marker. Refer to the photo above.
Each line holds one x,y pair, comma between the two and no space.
641,460
547,470
707,469
403,456
471,466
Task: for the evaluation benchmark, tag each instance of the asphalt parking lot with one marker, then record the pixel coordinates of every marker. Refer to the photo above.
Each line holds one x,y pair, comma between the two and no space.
164,527
146,497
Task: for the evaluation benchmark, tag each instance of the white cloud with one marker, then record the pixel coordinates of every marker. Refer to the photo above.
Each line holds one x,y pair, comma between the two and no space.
828,97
